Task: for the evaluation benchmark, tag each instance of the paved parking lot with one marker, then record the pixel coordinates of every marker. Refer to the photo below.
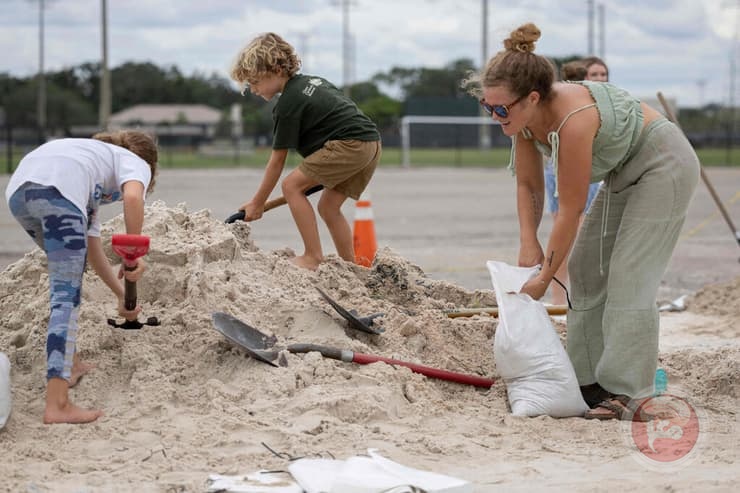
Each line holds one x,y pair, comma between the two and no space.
449,221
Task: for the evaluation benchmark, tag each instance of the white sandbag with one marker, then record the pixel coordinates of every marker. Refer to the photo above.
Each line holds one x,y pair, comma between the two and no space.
5,397
373,474
256,482
529,356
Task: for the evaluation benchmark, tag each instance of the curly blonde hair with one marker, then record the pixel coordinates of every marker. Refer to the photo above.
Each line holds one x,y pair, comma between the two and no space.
516,66
266,54
140,143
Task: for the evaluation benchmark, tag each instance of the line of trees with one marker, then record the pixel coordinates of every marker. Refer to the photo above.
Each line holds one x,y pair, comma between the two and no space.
73,94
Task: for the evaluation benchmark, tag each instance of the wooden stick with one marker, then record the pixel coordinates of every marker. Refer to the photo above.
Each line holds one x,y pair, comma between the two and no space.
704,176
493,311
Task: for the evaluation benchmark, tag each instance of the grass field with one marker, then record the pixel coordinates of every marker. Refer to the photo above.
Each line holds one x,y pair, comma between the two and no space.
468,157
463,157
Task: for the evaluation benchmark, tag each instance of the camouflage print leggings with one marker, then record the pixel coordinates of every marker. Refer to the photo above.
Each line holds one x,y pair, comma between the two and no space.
59,228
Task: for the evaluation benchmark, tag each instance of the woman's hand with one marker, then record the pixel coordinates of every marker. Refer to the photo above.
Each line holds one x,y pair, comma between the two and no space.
535,287
135,274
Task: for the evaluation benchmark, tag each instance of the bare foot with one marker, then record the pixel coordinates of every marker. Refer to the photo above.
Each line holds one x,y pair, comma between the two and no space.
69,413
306,262
79,368
59,409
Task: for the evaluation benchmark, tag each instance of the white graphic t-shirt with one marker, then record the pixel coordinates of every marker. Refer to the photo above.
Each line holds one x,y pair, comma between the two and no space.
87,172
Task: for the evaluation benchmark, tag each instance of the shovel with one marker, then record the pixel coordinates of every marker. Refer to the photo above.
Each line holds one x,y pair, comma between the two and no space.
260,347
365,324
271,204
365,359
493,311
255,343
130,248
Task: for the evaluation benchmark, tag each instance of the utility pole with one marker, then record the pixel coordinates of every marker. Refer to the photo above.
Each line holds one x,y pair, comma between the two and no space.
105,84
733,76
41,100
484,139
346,48
590,4
602,31
303,44
701,84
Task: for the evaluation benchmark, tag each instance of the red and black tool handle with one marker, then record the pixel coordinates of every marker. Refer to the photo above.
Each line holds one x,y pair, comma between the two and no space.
365,359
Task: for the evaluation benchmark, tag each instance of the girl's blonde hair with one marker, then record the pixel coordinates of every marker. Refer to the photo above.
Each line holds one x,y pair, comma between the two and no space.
516,66
267,54
140,143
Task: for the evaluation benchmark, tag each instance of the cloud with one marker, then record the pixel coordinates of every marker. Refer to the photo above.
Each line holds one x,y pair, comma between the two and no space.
649,45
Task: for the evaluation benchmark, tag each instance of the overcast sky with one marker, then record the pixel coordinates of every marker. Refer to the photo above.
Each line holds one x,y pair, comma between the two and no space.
683,48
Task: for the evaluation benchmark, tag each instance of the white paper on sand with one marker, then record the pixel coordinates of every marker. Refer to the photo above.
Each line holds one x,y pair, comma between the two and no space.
257,482
529,356
372,474
5,397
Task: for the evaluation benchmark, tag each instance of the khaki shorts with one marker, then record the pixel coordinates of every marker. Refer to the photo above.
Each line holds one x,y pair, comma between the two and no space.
343,165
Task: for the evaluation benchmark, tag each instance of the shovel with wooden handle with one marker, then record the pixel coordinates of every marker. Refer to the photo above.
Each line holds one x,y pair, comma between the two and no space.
703,175
271,204
493,311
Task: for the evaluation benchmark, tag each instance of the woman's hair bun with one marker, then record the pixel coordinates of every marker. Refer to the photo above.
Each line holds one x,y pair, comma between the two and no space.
523,38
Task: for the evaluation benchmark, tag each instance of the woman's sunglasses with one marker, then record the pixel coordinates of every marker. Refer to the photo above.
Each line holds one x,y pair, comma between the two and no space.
500,110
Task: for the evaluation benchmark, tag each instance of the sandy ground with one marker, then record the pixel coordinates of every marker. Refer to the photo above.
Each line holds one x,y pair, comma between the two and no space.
182,403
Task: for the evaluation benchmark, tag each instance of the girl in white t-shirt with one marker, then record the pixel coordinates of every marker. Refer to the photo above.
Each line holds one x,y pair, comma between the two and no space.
55,194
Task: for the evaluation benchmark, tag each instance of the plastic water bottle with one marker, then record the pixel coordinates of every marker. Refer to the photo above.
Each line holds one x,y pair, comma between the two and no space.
661,381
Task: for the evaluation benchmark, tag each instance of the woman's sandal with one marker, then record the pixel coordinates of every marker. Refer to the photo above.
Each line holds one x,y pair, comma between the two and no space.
613,407
594,393
623,408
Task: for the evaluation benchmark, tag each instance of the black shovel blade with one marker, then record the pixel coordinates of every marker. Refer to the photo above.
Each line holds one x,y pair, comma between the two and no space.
254,342
237,216
352,320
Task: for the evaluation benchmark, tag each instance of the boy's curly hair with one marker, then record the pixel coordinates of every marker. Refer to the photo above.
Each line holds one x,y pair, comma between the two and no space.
140,143
266,54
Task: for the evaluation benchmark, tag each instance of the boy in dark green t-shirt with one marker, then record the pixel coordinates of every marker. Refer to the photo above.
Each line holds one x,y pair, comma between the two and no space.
339,144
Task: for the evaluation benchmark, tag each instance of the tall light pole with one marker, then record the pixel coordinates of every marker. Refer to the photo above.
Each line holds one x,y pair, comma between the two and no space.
590,27
41,100
484,139
602,31
346,48
105,85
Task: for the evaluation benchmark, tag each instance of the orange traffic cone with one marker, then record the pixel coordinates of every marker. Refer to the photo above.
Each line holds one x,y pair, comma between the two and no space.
363,233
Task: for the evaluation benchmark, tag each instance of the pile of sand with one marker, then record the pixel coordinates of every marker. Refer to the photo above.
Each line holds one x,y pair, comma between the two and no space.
182,402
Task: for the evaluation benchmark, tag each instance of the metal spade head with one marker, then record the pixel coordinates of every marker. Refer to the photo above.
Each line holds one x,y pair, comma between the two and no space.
360,323
254,342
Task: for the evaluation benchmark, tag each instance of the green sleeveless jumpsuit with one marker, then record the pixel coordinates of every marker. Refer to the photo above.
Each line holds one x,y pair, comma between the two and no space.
625,242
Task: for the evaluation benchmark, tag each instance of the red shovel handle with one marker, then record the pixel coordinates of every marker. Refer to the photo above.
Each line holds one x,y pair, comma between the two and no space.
130,248
365,359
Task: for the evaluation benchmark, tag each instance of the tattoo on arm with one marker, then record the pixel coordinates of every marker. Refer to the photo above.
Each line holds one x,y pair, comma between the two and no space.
549,260
537,206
